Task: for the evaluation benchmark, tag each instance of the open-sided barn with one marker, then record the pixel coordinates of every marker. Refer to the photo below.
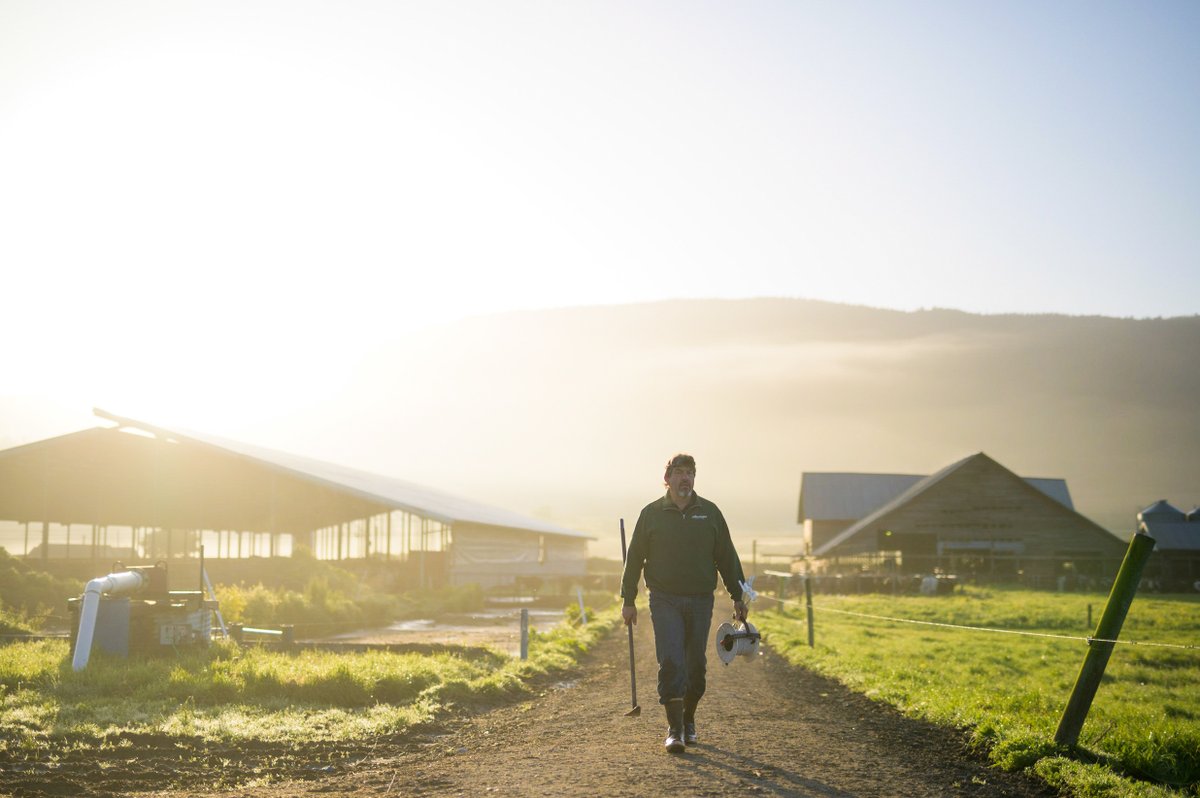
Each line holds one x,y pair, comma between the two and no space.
973,518
162,493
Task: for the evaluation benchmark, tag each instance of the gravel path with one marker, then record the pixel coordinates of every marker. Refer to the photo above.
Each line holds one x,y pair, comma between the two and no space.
766,728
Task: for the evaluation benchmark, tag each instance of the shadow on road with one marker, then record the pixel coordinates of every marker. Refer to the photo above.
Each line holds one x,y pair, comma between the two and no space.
769,778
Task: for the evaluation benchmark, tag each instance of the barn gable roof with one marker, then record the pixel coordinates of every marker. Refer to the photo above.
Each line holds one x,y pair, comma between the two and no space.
829,496
369,489
925,484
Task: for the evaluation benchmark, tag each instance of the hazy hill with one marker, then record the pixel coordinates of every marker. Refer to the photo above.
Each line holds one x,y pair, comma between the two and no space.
570,413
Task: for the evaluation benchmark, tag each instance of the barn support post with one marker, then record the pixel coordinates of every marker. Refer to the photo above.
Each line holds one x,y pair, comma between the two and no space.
421,556
45,508
1100,645
272,533
388,555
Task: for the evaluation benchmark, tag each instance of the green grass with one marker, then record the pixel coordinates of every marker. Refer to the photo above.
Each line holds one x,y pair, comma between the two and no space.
226,693
1141,737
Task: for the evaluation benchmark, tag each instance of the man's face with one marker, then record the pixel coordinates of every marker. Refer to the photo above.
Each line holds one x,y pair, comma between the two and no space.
681,482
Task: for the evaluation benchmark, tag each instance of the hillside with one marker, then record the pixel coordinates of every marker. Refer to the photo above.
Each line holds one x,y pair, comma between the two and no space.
569,413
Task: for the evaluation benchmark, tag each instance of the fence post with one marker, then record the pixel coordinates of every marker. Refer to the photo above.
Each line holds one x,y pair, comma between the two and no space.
1100,645
582,609
808,606
524,633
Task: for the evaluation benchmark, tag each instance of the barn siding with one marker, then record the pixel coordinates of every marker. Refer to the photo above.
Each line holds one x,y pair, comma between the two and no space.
492,556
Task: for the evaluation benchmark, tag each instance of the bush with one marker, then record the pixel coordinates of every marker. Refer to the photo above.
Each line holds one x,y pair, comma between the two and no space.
32,594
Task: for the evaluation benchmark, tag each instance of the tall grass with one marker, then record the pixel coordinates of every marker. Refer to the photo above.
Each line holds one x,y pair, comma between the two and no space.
1142,736
325,606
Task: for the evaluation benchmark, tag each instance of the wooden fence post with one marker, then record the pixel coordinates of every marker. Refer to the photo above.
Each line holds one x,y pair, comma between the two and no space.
808,606
1100,645
524,633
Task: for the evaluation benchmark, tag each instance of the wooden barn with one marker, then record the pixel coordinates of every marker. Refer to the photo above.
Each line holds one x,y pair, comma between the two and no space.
1174,565
975,519
162,494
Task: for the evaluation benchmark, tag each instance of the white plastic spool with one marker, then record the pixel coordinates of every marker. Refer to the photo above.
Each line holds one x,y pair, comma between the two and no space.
736,639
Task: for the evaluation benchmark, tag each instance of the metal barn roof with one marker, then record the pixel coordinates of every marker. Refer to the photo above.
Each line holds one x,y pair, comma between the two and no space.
120,475
1174,535
1161,510
826,496
834,496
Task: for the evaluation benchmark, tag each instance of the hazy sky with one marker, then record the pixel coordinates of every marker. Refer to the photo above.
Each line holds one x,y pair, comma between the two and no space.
194,195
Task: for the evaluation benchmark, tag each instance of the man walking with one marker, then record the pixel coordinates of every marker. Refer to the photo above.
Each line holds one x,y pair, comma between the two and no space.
682,542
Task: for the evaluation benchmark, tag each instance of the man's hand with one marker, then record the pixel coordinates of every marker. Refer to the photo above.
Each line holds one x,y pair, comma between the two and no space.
630,615
740,611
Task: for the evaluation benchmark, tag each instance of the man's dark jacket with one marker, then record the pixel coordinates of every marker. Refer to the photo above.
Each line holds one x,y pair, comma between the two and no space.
681,551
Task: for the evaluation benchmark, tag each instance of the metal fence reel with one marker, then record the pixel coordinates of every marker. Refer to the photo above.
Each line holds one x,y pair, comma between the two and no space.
737,639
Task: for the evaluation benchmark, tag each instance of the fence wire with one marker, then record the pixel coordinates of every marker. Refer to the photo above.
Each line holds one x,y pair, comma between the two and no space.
1023,633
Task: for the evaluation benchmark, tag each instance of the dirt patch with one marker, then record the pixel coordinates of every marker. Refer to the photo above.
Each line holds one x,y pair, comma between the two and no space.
766,728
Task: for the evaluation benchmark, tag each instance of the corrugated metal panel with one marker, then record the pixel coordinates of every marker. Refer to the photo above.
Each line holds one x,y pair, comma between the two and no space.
396,493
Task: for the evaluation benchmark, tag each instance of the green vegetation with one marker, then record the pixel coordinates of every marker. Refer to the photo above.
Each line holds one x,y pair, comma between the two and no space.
319,598
292,711
1141,738
28,596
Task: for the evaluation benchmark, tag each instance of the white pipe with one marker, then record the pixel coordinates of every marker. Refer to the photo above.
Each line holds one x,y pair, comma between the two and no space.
123,582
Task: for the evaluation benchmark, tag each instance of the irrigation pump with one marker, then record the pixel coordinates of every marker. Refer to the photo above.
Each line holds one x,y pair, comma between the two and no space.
131,611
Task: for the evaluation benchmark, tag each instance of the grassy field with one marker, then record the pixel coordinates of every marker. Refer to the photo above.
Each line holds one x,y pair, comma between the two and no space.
255,697
1141,738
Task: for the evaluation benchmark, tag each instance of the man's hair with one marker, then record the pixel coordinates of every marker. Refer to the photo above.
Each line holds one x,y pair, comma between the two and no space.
685,460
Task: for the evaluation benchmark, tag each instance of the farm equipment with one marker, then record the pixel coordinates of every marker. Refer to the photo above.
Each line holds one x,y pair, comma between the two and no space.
739,638
131,611
637,708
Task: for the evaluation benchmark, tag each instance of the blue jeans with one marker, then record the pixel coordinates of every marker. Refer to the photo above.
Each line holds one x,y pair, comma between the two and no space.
681,625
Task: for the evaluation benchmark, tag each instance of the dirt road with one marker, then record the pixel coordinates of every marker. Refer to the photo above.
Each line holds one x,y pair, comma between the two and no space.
765,729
